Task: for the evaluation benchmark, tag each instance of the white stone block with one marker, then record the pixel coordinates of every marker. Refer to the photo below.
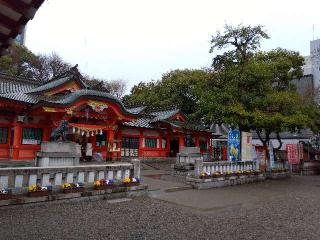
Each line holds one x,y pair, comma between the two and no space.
18,181
69,178
127,173
91,177
110,175
81,177
45,180
58,179
101,175
32,179
119,175
4,181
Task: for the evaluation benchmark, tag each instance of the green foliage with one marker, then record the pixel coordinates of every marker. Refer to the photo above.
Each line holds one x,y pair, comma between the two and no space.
252,88
20,62
178,88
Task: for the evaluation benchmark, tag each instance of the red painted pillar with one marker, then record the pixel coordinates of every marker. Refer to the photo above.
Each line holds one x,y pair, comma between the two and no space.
46,134
140,143
197,141
110,141
168,145
181,142
17,141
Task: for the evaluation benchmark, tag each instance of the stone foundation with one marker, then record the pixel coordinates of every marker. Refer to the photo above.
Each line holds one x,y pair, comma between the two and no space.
90,194
281,175
223,181
58,154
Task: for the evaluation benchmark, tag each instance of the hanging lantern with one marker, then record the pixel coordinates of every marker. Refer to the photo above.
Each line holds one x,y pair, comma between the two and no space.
101,132
92,133
82,133
87,134
73,130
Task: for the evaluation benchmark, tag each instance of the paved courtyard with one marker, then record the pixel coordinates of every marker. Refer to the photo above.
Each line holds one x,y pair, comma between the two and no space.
287,209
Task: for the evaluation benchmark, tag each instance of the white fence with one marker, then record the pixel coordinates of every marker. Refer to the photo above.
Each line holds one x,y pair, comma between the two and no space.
21,178
222,167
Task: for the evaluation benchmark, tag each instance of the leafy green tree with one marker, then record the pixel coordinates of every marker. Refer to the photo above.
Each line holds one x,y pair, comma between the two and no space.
251,89
178,88
19,62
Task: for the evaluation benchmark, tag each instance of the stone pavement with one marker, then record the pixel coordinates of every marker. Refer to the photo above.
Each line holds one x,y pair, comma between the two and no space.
154,180
242,196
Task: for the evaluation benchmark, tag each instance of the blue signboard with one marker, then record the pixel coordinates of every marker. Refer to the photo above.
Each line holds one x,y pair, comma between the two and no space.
234,145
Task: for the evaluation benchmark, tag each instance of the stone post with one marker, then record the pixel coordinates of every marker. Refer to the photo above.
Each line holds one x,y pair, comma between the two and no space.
136,168
198,166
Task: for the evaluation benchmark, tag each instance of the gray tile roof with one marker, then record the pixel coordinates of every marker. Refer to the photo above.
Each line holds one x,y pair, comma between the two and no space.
137,110
140,122
163,115
11,84
21,97
189,126
28,91
55,83
71,97
302,134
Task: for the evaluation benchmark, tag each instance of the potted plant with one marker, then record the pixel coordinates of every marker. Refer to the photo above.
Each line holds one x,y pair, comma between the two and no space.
36,190
257,172
217,174
130,181
238,173
205,175
103,184
73,187
230,175
248,172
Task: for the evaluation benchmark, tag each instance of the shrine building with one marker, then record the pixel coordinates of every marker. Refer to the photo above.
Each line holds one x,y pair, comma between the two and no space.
30,110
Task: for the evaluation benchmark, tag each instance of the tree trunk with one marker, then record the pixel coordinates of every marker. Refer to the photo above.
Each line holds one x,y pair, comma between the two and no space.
280,141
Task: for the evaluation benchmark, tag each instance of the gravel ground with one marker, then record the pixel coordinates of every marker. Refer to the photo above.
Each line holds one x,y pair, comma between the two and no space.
292,214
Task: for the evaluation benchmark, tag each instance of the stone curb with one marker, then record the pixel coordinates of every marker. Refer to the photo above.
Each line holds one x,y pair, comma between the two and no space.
133,191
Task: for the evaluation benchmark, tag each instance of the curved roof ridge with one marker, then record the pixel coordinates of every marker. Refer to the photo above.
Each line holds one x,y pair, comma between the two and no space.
72,97
11,77
56,83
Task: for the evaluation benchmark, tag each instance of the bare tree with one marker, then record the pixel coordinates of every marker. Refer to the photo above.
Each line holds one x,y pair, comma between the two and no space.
51,66
116,87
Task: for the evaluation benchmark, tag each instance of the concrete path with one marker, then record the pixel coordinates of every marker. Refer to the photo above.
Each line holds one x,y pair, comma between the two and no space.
163,187
154,179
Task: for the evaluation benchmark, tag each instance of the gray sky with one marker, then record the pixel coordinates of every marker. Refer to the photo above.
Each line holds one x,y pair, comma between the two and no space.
139,40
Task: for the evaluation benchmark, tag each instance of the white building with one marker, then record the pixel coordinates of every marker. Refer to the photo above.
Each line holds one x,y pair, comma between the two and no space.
312,63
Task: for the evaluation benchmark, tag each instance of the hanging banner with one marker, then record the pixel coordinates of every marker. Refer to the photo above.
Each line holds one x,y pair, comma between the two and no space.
234,145
261,157
292,153
246,146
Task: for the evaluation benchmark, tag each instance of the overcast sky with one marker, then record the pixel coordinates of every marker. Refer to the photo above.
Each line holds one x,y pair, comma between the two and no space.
139,40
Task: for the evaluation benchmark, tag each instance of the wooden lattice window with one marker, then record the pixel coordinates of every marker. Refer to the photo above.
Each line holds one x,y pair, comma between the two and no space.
3,135
31,136
151,142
